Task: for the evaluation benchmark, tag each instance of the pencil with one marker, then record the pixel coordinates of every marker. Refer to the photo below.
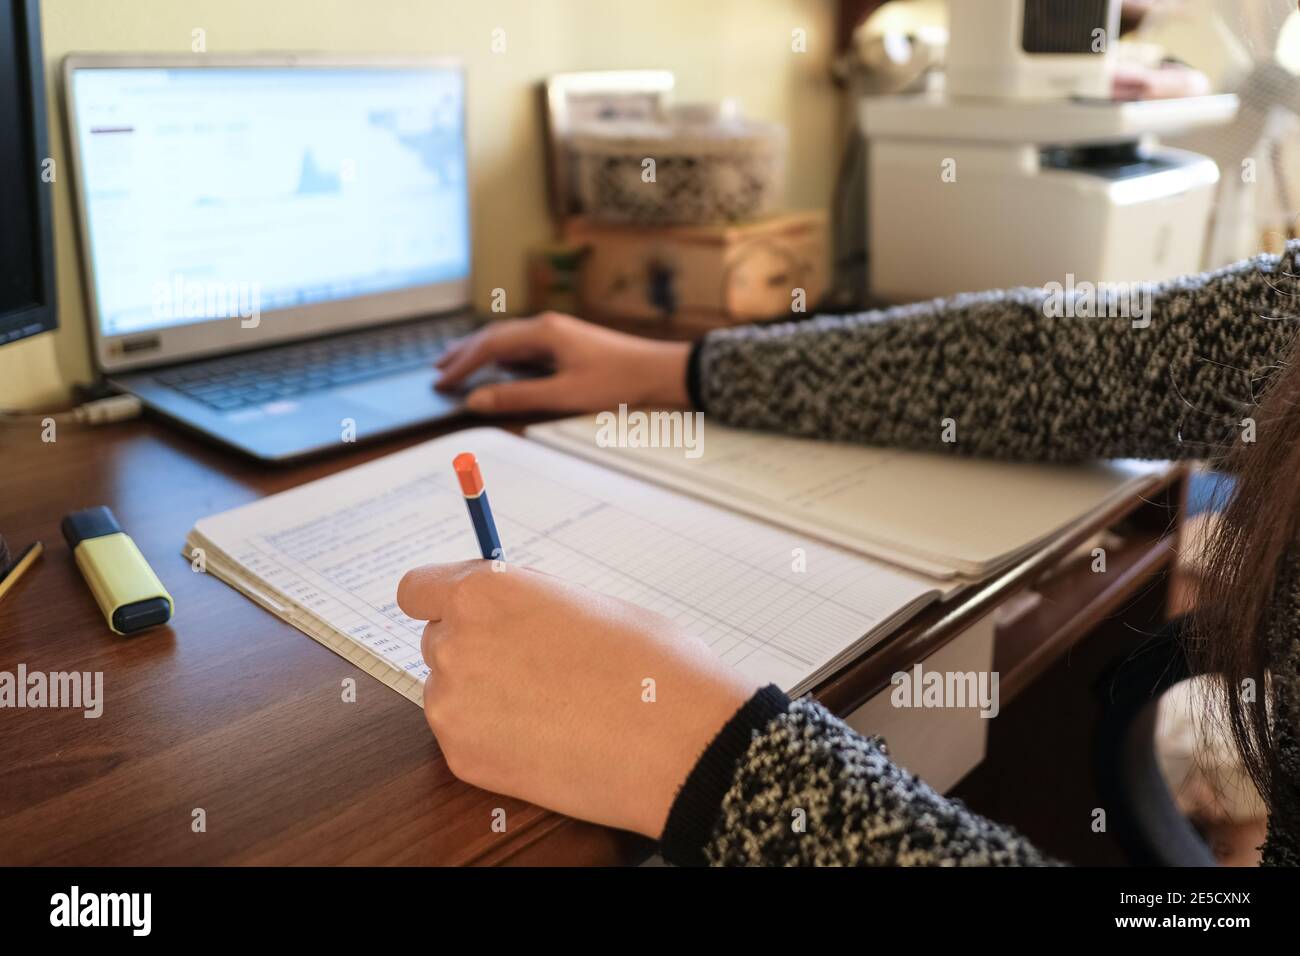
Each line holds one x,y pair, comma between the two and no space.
9,576
476,500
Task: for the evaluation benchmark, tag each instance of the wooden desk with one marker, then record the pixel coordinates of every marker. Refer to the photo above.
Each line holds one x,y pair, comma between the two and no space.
235,712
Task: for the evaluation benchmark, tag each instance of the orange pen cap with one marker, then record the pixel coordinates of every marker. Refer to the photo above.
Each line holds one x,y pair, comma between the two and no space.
471,479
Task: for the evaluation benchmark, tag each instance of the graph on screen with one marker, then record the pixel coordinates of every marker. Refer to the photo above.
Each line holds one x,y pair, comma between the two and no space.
313,183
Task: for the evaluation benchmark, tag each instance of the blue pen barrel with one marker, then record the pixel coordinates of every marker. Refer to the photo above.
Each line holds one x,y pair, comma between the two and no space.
476,500
480,513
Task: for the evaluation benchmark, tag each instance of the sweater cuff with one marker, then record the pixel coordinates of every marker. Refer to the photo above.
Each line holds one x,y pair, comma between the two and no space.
695,387
698,804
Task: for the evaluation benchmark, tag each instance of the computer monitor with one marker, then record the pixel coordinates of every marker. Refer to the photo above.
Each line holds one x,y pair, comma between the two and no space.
322,194
27,304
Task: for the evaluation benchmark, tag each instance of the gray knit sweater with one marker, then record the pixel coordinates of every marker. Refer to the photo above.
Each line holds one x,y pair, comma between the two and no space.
1014,383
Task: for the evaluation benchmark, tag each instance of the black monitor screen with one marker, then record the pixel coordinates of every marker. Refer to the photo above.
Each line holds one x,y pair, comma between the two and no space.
26,253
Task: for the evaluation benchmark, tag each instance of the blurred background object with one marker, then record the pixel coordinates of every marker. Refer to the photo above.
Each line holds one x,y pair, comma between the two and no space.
27,292
1162,49
1253,50
1025,170
895,48
1203,771
890,48
679,281
1031,49
671,215
583,100
705,163
553,272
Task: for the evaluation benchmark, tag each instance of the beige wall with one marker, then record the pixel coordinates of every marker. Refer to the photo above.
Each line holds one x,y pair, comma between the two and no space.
716,48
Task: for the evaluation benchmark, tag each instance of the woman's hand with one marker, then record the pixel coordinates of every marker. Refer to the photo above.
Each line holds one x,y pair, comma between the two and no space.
594,368
552,693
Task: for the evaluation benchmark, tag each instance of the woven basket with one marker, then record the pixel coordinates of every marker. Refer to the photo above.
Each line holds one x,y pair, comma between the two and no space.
703,173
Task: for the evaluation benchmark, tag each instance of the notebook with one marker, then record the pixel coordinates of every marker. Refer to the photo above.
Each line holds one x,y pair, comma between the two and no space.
941,515
788,566
776,604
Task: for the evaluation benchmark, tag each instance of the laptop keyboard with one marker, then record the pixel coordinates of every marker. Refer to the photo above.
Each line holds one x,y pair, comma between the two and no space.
281,373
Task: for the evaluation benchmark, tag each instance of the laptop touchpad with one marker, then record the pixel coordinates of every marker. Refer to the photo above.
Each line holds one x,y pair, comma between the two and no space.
407,396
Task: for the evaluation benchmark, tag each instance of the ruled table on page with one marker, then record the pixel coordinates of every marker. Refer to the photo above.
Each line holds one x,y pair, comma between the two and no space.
772,603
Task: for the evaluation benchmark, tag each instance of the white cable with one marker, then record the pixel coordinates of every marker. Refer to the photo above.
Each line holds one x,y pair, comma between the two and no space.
103,411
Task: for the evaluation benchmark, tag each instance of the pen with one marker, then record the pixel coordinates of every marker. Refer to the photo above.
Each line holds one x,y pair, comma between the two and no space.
10,575
480,512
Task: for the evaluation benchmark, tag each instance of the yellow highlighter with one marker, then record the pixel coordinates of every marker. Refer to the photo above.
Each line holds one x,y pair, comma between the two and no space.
128,592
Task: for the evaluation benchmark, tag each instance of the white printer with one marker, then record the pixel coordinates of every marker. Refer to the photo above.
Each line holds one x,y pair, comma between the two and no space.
1019,170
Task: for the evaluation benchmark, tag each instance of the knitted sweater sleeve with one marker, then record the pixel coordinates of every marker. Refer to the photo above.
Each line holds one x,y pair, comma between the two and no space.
1022,373
787,784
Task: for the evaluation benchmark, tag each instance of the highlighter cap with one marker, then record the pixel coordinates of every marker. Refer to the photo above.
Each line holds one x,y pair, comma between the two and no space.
471,479
90,523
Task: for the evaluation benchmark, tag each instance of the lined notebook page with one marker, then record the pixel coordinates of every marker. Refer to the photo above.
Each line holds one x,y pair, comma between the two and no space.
938,514
328,556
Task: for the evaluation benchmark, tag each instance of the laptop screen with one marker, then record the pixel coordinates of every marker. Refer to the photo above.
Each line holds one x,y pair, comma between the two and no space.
212,191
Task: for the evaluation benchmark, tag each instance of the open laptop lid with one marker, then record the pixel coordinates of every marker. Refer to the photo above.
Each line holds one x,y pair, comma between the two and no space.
228,202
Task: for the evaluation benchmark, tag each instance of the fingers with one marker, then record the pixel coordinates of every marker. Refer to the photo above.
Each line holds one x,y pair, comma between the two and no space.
427,640
454,349
512,340
551,393
422,593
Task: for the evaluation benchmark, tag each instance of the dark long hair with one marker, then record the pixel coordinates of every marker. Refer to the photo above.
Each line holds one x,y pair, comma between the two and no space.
1239,624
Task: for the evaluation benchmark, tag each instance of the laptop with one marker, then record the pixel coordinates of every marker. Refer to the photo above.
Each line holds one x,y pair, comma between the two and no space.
276,248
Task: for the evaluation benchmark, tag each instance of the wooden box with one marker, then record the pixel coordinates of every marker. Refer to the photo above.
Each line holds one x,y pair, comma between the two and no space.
693,278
